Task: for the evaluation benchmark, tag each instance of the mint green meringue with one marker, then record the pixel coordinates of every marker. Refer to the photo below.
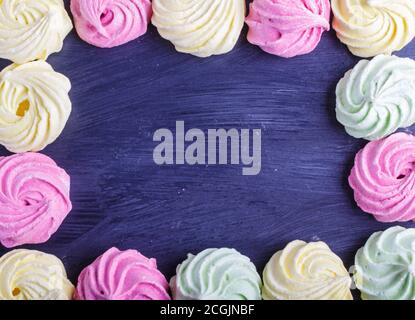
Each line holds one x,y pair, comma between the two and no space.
216,274
385,266
377,97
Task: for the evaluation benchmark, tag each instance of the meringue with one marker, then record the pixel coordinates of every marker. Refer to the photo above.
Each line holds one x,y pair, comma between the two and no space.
32,29
377,97
306,271
288,28
122,275
34,198
33,275
111,23
385,266
34,106
216,274
383,178
200,27
373,27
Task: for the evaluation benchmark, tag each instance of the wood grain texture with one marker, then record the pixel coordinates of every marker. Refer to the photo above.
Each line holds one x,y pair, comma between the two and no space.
121,198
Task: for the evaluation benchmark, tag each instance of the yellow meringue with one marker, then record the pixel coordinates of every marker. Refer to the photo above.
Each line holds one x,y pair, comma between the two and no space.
34,106
200,27
33,275
373,27
306,271
32,29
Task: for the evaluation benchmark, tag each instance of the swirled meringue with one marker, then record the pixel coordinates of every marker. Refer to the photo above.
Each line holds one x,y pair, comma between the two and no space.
111,23
33,275
385,266
200,27
34,106
377,97
373,27
34,198
122,275
306,271
32,29
288,28
383,178
216,274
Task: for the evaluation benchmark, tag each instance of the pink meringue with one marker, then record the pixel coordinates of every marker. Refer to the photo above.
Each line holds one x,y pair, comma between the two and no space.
34,198
383,178
288,28
122,275
111,23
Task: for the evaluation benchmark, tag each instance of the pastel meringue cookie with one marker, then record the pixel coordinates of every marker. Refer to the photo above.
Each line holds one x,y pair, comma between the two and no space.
377,97
216,274
385,265
33,275
383,178
200,27
122,275
34,198
34,106
288,28
111,23
373,27
306,271
32,29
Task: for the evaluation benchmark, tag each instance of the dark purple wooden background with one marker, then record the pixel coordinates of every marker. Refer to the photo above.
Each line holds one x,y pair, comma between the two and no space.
121,198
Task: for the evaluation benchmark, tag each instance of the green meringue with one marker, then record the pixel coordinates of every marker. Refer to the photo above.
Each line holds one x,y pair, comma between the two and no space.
216,274
385,266
377,97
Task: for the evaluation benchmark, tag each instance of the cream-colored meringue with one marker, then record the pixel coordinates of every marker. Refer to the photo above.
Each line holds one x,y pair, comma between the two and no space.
32,29
33,275
34,106
200,27
373,27
306,271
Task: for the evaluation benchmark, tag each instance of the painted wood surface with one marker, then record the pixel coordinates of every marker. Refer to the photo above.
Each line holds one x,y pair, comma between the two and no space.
121,198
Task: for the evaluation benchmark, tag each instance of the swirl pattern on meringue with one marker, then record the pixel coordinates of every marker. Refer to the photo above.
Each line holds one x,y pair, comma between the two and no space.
122,275
200,27
377,97
34,106
216,274
32,29
385,266
373,27
383,178
288,28
306,271
111,23
33,275
34,198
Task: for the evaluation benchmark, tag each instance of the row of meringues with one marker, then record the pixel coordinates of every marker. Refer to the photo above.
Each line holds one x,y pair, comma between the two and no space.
384,269
34,29
373,100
